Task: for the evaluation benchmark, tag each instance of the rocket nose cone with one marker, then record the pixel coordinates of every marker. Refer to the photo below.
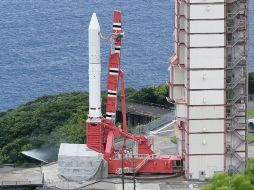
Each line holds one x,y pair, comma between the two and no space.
94,23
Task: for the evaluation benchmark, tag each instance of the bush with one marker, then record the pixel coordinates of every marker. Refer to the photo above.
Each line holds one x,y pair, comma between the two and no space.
236,182
155,95
50,120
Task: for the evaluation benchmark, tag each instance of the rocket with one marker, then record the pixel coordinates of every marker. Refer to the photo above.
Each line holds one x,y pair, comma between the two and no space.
94,70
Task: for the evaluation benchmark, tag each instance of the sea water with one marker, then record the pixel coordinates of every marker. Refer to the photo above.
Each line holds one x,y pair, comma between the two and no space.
44,47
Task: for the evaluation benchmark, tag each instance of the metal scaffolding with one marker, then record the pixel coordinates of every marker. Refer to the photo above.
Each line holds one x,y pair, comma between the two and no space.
208,83
236,83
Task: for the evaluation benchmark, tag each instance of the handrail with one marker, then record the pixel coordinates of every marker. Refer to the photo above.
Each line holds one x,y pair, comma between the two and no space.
235,99
235,12
235,82
149,104
142,163
232,43
233,28
236,62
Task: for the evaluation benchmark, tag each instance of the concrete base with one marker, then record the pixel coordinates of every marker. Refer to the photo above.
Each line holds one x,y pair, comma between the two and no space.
77,162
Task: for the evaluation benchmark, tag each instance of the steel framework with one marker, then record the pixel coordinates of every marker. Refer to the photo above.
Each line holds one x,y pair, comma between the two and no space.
230,45
236,83
101,135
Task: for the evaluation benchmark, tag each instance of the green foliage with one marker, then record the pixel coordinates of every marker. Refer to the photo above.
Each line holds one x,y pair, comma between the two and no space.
249,171
251,83
155,95
250,138
222,181
173,139
129,92
251,113
48,120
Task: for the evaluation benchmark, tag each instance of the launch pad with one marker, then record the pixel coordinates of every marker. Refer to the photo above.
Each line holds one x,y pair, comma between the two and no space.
101,132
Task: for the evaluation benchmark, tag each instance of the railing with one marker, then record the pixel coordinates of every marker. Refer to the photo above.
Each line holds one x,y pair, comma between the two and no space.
240,159
234,112
164,119
235,99
235,82
240,61
232,150
142,163
235,11
236,25
150,104
240,162
236,41
234,28
236,124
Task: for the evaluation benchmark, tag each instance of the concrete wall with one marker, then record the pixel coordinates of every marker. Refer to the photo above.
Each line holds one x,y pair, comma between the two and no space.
207,97
207,40
178,76
207,26
178,93
181,110
207,58
209,164
202,109
207,79
205,143
206,112
206,126
209,11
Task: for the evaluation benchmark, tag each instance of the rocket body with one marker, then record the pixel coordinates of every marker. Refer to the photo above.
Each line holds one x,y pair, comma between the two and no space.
94,70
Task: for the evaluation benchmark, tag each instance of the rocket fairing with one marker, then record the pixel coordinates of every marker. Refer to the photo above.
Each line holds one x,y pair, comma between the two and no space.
94,70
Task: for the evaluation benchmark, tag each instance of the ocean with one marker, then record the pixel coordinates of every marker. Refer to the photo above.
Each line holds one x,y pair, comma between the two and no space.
43,45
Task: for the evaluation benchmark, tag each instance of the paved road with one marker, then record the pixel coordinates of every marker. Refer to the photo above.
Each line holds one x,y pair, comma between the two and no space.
251,150
251,104
142,109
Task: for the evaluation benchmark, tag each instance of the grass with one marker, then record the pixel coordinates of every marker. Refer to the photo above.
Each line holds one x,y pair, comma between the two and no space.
251,113
250,138
173,139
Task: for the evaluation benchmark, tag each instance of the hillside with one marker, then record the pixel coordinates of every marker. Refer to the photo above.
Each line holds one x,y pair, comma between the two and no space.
47,121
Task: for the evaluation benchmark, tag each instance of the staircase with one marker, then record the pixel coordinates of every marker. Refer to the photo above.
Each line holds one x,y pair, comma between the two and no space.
141,164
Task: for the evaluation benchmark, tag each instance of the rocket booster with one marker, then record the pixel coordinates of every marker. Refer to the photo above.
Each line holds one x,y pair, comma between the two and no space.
94,70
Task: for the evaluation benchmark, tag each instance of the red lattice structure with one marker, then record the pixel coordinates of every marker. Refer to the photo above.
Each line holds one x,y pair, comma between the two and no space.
101,135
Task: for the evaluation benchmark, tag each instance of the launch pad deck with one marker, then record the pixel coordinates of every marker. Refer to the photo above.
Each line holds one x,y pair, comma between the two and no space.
47,175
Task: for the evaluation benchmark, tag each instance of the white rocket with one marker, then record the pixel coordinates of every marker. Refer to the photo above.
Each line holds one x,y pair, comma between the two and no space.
94,70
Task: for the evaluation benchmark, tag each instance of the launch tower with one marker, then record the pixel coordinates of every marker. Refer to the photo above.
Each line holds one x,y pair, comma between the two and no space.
208,83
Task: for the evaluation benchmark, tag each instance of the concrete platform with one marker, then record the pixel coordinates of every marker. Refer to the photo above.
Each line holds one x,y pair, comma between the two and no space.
77,162
162,139
52,179
11,176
